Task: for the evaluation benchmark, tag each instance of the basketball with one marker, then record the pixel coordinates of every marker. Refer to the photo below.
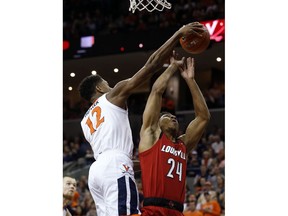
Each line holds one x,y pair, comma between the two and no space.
193,44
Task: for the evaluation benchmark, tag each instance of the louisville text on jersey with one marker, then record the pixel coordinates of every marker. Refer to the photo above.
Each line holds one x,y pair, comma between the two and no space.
173,151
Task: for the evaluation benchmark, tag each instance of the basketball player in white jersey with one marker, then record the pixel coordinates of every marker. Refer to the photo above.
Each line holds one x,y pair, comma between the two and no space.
69,188
106,127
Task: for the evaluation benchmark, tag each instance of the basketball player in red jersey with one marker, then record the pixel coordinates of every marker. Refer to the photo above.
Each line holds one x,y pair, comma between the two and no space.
162,153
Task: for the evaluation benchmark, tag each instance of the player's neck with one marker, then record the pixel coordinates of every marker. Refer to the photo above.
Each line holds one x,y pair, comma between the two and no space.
95,97
171,137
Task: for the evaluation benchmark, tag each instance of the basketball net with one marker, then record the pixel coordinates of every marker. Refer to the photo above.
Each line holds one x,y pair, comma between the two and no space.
149,5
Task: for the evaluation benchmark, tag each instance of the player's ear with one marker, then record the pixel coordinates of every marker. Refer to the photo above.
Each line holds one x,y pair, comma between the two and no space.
99,89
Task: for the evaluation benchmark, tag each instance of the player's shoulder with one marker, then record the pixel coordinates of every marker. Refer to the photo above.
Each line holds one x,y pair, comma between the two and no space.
119,86
182,138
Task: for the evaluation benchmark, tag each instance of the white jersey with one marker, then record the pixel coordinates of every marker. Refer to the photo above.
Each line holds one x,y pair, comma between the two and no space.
106,126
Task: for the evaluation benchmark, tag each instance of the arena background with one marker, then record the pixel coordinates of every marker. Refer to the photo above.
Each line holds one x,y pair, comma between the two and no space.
31,70
113,36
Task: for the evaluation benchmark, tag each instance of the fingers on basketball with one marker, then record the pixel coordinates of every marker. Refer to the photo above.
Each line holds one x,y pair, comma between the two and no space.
194,44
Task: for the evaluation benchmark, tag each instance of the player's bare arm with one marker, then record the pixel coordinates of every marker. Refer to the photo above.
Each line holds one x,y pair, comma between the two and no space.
119,94
150,129
197,126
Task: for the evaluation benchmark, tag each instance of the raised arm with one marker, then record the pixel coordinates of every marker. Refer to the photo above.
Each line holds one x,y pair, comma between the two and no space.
150,129
197,126
124,88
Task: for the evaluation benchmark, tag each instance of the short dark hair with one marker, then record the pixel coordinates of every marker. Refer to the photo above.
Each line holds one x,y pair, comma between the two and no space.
87,86
164,113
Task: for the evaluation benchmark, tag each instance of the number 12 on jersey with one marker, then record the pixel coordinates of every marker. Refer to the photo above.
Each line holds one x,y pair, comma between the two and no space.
98,119
178,169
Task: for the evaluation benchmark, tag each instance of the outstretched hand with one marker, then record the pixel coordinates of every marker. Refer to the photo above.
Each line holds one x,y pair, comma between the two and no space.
194,28
187,71
178,63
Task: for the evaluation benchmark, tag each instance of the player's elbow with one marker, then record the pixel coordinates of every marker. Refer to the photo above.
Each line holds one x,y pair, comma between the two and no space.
204,119
205,116
208,116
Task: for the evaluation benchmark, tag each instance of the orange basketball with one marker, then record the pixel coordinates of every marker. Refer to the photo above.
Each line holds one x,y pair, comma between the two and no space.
193,44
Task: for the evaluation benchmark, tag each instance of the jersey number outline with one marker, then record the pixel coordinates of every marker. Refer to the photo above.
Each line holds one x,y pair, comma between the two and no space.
99,120
178,169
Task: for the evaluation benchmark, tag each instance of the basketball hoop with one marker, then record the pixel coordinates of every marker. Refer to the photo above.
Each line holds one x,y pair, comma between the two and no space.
149,5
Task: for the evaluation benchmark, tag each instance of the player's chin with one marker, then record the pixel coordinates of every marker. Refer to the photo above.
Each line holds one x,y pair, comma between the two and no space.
174,127
175,124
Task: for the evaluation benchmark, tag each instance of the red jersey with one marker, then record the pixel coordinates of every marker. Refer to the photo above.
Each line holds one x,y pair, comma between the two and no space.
164,170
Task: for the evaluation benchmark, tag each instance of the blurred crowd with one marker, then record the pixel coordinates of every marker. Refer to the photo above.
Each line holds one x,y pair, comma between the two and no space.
99,17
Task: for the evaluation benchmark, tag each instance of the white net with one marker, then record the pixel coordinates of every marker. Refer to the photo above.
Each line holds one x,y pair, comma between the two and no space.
149,5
